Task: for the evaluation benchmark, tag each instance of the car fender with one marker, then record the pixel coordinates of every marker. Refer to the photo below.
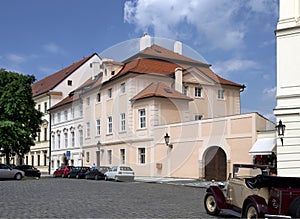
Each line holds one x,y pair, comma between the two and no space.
259,202
219,196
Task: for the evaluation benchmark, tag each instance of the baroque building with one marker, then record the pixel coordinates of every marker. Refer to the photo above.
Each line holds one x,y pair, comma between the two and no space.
121,114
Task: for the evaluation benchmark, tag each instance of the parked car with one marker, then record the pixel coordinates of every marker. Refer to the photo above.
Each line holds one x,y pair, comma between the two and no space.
62,171
120,173
78,172
253,193
6,172
29,170
96,173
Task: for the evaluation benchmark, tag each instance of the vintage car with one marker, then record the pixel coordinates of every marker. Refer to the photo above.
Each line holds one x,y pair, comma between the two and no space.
253,193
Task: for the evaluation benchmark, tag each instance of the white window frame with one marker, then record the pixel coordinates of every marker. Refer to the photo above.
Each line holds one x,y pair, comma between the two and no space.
198,92
122,156
109,93
66,139
72,138
221,94
122,122
80,137
88,129
109,125
142,118
98,127
109,156
123,88
142,155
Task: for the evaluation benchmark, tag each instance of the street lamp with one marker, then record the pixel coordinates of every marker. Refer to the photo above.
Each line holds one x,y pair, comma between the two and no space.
280,130
167,140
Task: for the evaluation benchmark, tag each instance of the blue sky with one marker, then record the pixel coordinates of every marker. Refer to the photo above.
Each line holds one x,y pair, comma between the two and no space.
236,37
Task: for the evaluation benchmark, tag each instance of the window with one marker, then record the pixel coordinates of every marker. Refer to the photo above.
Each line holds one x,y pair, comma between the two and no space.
69,82
58,141
39,160
98,126
32,160
123,88
58,117
45,107
45,159
198,117
142,118
39,107
122,122
53,118
109,156
221,94
66,139
73,139
66,115
45,134
98,97
185,90
122,156
72,113
88,129
88,101
80,110
87,156
109,124
142,155
109,93
53,141
80,138
39,136
198,92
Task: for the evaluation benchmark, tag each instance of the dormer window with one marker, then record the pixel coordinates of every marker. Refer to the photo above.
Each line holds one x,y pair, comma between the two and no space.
198,92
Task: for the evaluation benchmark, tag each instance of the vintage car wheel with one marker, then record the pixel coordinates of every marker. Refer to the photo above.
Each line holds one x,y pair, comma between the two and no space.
294,209
251,211
210,204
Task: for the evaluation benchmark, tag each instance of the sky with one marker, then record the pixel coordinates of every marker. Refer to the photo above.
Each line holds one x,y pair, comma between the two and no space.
236,37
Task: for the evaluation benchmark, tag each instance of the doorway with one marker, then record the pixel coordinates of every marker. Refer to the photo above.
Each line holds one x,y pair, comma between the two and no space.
215,164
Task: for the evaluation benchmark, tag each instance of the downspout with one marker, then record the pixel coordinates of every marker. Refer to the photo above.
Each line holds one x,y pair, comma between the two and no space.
50,139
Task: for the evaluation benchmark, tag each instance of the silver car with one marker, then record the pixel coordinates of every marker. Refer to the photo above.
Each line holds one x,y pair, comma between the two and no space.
120,173
6,172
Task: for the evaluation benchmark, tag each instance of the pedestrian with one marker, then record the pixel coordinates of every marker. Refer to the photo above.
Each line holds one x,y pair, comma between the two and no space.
94,166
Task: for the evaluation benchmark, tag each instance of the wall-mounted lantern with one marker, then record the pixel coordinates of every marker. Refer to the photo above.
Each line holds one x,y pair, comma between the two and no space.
167,140
99,145
280,131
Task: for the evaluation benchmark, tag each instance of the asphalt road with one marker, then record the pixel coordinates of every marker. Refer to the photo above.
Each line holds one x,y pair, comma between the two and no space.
80,198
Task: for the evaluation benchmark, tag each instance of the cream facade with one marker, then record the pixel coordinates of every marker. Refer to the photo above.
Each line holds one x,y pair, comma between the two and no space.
129,107
288,86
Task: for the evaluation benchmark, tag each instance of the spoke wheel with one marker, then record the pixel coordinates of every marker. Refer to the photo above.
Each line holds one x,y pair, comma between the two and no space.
251,212
210,204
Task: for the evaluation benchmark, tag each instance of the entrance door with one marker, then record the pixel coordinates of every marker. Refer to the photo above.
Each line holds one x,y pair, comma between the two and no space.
215,164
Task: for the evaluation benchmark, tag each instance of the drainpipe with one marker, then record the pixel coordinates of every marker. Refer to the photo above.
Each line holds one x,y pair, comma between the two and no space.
50,125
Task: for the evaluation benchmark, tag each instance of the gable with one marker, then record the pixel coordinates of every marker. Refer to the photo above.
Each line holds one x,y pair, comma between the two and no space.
195,76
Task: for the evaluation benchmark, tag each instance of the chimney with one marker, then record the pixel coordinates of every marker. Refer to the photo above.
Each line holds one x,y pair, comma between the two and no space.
145,41
178,79
96,69
178,47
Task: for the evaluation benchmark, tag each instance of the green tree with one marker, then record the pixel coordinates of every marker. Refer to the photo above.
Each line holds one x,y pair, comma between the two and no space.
19,120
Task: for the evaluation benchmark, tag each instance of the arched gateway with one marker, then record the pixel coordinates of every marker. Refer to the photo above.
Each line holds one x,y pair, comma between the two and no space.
215,164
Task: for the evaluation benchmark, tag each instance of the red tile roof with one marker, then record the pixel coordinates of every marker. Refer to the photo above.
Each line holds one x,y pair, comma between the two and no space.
50,82
69,99
159,89
148,66
158,52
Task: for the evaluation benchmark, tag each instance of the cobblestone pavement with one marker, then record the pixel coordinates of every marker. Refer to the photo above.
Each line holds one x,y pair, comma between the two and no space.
73,198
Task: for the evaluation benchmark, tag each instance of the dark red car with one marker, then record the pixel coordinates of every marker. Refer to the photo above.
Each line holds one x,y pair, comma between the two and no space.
62,171
253,193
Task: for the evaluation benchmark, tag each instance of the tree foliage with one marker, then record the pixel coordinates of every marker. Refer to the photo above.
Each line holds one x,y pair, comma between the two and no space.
19,120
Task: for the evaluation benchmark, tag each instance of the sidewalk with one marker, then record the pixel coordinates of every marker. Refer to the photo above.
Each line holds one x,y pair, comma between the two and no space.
176,181
166,180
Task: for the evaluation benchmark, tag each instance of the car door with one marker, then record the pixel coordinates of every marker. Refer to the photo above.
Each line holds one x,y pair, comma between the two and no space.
112,173
5,171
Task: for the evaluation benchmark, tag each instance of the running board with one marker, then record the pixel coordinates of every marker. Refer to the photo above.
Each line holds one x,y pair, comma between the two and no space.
231,212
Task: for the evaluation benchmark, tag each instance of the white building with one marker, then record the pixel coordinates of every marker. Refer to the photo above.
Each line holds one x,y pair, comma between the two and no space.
288,86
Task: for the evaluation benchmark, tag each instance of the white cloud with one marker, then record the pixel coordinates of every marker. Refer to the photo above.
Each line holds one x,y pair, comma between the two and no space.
53,48
218,22
17,59
270,92
234,65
